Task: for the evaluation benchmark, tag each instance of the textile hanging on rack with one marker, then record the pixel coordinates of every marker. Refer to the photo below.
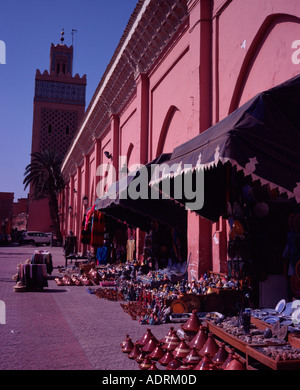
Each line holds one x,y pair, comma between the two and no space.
85,236
101,255
89,218
130,249
43,257
98,226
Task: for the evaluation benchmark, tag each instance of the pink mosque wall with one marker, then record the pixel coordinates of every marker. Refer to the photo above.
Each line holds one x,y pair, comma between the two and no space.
189,89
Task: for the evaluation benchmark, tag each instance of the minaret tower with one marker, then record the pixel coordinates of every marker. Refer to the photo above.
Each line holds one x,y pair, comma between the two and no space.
58,108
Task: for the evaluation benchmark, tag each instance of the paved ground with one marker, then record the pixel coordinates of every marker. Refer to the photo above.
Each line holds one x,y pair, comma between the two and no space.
62,328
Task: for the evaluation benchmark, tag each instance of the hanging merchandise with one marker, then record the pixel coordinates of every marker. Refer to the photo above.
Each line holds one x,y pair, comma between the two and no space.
101,255
130,249
85,237
97,232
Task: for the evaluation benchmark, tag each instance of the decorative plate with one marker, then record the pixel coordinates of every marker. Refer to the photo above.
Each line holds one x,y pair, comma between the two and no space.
280,305
270,319
288,309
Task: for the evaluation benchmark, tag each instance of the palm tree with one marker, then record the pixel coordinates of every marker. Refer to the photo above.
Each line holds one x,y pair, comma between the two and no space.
44,175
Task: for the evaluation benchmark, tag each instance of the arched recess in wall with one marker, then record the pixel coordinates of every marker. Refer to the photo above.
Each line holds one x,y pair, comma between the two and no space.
172,131
254,49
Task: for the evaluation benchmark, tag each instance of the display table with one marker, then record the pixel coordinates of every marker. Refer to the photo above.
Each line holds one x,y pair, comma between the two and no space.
77,259
226,337
254,353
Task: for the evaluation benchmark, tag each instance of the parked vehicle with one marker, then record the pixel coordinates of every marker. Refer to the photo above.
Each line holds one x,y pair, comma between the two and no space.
36,238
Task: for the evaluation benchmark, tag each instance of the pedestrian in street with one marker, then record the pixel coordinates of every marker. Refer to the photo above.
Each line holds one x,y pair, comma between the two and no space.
70,245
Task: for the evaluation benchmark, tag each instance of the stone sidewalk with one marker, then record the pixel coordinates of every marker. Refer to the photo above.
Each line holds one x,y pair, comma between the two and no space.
62,328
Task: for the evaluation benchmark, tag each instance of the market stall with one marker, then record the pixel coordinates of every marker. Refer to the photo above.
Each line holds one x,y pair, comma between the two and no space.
164,223
214,342
251,166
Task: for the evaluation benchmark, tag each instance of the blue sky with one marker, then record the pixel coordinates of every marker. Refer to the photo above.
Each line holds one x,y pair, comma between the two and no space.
28,28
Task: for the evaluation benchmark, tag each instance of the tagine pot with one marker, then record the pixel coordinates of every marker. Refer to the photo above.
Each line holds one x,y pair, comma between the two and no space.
210,346
192,324
221,355
135,351
174,364
145,338
153,367
166,338
200,338
140,358
166,359
185,366
192,358
235,364
124,341
157,353
150,346
229,358
128,345
173,341
182,350
205,363
146,364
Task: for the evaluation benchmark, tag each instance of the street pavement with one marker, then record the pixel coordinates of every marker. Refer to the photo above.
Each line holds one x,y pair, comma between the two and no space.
62,327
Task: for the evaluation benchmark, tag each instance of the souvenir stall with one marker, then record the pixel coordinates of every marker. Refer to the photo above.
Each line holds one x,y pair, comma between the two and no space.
212,342
163,223
251,166
252,159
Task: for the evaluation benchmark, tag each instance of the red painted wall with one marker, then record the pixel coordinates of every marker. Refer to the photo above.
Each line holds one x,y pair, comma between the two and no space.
224,53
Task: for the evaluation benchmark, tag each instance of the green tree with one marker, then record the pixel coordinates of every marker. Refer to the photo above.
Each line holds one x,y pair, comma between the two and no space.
45,177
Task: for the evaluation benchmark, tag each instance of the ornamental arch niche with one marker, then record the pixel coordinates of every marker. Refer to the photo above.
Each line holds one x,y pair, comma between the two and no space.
172,133
268,61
